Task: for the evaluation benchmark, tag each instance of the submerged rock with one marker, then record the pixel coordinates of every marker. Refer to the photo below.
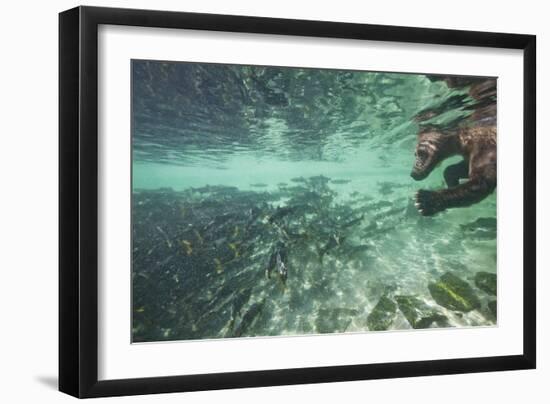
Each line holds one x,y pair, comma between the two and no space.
487,282
383,314
453,293
418,313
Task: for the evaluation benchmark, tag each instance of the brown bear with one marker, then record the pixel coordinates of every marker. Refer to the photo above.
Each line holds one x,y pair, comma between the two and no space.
473,138
477,145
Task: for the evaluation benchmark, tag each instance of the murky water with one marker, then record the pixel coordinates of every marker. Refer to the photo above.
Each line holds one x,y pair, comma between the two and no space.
278,201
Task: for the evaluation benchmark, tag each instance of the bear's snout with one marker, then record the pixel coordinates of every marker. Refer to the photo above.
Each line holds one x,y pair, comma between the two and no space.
416,175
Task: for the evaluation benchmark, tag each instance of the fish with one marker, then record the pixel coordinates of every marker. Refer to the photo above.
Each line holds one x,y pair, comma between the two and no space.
353,222
278,262
249,318
334,241
281,266
186,245
238,302
199,237
241,299
340,182
168,242
354,250
280,213
483,228
218,265
235,248
259,185
485,223
252,215
319,179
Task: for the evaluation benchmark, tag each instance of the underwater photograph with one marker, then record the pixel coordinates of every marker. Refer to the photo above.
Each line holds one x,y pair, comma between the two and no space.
284,201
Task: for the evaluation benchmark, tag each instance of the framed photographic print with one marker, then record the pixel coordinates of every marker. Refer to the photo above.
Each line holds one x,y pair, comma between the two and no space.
251,201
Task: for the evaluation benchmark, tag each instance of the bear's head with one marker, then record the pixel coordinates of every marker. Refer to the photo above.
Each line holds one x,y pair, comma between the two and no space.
429,152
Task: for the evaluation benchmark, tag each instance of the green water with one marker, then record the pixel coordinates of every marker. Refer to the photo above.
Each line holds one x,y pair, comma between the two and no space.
219,150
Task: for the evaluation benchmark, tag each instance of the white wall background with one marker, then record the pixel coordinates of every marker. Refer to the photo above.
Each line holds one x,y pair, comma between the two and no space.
28,202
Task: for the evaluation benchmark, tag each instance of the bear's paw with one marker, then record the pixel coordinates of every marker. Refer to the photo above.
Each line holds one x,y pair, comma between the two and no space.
427,202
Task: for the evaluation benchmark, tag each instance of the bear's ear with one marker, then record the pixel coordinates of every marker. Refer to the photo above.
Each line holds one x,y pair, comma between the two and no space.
426,130
424,115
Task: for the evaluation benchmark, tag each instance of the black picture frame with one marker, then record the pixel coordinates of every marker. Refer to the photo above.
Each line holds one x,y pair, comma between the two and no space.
78,201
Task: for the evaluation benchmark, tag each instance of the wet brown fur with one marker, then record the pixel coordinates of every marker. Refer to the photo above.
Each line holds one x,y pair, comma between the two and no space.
477,145
475,142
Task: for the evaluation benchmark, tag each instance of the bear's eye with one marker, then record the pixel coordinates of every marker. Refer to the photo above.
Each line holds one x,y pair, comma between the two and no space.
421,154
